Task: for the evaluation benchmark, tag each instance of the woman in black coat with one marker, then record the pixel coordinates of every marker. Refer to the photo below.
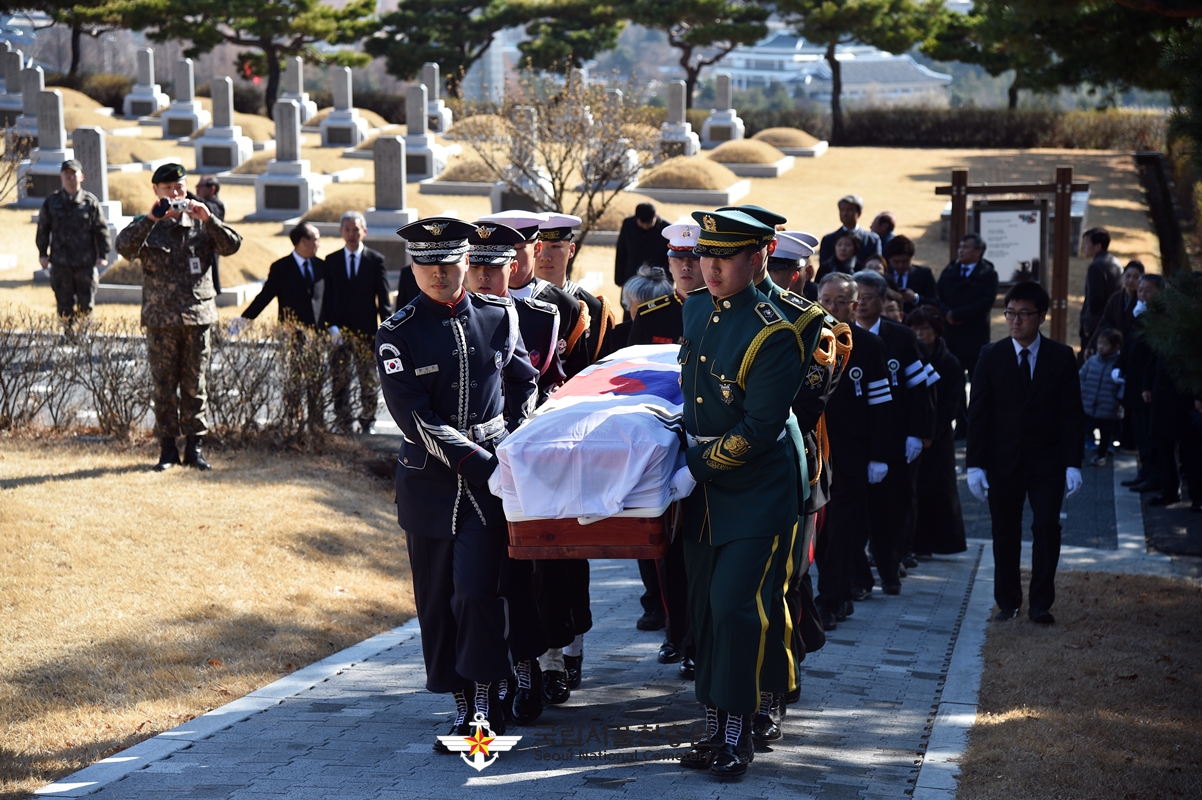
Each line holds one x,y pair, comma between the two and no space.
844,260
939,526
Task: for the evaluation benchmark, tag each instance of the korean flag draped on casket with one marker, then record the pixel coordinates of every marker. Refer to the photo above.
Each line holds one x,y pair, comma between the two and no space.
607,441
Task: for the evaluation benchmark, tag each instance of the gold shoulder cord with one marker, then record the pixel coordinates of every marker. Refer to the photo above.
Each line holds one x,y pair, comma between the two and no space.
607,316
754,348
581,326
843,342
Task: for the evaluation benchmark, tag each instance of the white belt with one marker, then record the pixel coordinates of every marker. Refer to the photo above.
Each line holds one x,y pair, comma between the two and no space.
696,440
486,430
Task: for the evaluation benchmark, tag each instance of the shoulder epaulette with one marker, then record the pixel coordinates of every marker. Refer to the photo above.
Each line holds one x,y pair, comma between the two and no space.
396,319
495,300
541,305
767,313
656,303
795,300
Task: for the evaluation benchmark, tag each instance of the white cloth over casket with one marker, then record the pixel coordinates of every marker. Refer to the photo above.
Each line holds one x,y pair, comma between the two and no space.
608,440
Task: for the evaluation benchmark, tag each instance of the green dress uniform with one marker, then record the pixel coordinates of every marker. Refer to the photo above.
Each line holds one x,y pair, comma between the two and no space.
739,376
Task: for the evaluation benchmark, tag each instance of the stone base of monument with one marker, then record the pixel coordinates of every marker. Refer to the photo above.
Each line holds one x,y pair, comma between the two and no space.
389,218
435,186
132,294
183,119
698,197
343,128
143,101
438,117
220,149
287,190
721,126
678,139
804,152
10,108
38,180
423,158
308,108
774,170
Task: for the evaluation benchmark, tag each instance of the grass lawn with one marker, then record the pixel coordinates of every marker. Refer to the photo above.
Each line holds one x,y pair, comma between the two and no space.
132,601
1106,703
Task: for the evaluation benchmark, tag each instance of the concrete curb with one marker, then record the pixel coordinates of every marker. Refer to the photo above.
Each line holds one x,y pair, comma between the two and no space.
95,777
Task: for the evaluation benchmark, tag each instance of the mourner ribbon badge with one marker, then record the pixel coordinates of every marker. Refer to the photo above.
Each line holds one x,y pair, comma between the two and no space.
856,374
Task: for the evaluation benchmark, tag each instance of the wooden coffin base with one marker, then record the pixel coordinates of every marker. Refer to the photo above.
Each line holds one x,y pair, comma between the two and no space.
614,537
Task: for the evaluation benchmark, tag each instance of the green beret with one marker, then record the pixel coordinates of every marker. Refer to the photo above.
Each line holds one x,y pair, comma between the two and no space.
727,233
169,173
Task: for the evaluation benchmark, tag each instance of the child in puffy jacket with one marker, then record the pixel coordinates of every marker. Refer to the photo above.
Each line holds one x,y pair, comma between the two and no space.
1101,394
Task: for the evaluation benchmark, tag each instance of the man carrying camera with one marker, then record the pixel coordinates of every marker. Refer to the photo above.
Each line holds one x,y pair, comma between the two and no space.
176,242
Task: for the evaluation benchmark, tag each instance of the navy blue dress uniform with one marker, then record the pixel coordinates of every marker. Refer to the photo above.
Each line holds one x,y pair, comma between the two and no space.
660,320
558,228
739,374
442,367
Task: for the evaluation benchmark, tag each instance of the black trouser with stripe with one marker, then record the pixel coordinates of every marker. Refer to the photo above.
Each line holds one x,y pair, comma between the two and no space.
561,591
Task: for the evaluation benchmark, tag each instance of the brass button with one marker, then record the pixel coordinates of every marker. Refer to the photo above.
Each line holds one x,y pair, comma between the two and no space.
716,319
703,359
700,399
726,304
723,377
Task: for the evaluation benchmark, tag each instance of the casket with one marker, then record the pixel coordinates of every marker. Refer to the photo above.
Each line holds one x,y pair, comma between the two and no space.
636,533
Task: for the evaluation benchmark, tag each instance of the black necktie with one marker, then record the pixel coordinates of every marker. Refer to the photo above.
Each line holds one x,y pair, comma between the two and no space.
309,275
352,268
963,270
1024,370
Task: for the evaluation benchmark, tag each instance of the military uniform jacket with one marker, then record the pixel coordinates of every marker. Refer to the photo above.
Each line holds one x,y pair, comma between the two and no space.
573,325
539,324
172,293
912,410
739,375
601,318
72,231
441,369
659,321
857,417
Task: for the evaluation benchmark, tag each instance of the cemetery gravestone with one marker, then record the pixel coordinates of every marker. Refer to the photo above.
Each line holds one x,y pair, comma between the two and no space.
723,123
186,115
343,127
33,82
39,178
389,212
289,188
88,144
676,136
439,115
12,104
424,157
146,96
222,146
294,88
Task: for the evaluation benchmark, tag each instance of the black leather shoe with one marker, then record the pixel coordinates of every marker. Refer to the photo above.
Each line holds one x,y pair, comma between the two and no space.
168,455
827,617
687,669
573,665
1132,481
651,621
555,687
701,754
861,594
668,654
1164,500
793,696
909,562
766,728
901,572
193,457
460,727
1042,617
846,610
891,588
732,760
1006,614
1146,486
527,693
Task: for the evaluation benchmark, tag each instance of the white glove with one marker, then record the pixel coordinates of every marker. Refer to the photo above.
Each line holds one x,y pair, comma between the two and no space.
237,325
913,448
1072,481
977,483
682,483
335,335
877,471
1116,375
494,481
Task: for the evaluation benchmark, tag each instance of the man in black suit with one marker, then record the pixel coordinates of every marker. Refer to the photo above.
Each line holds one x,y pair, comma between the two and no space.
916,284
850,208
297,282
1024,443
1102,279
967,289
360,303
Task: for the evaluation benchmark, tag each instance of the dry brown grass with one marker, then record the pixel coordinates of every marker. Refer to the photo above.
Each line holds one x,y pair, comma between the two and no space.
745,151
146,599
489,125
785,137
134,191
255,126
637,131
469,169
374,120
128,149
125,273
688,172
1106,703
321,159
76,117
343,197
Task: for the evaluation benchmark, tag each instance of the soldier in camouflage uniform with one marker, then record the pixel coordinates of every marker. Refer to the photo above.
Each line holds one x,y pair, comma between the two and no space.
73,241
178,307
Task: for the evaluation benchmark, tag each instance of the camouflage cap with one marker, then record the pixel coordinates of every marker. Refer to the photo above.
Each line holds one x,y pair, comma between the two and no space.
71,163
169,173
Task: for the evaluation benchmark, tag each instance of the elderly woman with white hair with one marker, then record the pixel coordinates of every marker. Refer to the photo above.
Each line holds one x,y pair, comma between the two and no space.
648,283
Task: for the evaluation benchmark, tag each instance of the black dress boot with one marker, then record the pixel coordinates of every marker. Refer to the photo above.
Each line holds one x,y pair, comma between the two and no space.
527,693
573,665
168,455
193,457
460,726
486,700
735,752
701,755
555,687
766,724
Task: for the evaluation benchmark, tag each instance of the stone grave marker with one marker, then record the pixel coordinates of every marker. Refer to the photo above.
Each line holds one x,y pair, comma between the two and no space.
12,104
186,115
222,146
440,116
294,88
88,144
343,127
676,136
424,157
289,188
33,82
39,178
146,96
723,123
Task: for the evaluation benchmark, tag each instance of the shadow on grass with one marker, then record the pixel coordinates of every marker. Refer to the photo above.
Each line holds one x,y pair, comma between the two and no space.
79,475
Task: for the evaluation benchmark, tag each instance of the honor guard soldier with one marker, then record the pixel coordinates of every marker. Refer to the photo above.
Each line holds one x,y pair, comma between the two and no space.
739,375
562,585
857,422
442,361
573,318
661,320
491,257
177,243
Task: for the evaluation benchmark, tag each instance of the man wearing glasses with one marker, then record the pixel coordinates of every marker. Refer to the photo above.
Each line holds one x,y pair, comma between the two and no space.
1024,443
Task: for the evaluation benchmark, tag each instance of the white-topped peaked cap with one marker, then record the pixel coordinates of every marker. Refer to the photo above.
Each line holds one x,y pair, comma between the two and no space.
557,227
795,245
682,237
524,222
